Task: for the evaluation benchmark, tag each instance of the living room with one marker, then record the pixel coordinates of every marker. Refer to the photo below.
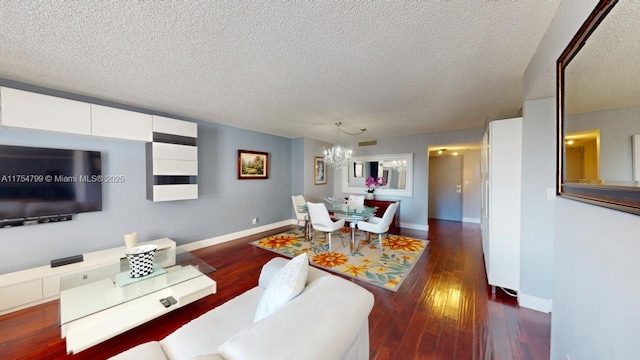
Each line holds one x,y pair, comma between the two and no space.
565,266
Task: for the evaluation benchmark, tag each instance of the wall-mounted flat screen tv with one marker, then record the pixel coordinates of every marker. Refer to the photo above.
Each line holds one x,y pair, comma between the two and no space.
42,182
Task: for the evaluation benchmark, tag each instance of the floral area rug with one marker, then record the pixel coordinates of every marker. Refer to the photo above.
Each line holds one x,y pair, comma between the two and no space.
387,269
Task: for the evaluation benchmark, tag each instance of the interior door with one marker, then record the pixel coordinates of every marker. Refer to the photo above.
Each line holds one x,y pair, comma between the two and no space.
445,187
574,163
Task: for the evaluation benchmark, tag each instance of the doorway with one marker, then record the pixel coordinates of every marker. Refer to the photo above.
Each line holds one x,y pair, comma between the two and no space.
445,187
582,156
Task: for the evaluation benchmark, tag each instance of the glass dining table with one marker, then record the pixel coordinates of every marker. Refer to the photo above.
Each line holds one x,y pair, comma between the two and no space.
349,213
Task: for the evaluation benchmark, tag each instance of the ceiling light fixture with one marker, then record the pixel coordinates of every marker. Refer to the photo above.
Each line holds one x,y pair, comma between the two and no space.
339,156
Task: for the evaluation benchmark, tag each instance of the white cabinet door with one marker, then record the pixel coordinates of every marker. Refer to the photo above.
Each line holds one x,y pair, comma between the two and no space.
20,294
175,167
502,202
120,124
175,127
174,152
175,192
42,112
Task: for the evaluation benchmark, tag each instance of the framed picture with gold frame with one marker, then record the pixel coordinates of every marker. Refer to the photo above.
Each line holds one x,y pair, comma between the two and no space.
319,171
253,165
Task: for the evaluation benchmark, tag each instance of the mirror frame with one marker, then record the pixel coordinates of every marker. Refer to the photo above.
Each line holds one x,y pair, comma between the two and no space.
622,198
407,192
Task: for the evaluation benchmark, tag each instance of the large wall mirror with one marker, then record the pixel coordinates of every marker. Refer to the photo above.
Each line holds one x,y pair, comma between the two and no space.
599,109
397,169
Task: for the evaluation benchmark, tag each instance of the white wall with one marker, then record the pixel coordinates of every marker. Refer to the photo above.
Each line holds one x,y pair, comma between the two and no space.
595,256
596,287
538,212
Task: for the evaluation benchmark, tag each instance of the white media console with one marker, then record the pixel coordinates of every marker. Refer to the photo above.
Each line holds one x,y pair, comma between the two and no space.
22,289
98,300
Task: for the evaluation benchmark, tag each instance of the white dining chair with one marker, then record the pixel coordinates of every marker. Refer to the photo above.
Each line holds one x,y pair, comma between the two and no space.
298,200
355,200
321,221
377,225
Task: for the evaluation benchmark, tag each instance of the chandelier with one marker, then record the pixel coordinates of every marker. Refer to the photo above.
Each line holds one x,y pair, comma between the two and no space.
339,156
398,165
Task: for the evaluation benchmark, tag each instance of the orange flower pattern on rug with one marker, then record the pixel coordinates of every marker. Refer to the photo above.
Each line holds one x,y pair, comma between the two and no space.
278,241
386,269
355,271
331,259
403,244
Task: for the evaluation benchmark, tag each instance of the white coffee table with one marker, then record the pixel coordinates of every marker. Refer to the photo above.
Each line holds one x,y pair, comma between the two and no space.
100,303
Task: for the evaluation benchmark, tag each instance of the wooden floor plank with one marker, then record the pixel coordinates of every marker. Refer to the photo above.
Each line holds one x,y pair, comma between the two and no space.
444,309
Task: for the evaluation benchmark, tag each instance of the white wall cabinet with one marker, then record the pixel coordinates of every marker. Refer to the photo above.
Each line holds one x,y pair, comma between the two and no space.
172,160
120,124
172,152
29,110
501,202
166,125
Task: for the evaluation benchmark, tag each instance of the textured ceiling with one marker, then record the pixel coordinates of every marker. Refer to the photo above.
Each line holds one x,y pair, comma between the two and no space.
605,74
285,68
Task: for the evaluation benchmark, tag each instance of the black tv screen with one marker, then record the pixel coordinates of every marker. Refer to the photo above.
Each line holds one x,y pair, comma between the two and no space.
41,182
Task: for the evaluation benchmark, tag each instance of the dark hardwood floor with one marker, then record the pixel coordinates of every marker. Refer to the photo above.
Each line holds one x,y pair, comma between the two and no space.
443,310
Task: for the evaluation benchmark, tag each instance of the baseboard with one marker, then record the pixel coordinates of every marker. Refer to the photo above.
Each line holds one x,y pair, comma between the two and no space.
535,303
414,226
255,230
471,220
233,236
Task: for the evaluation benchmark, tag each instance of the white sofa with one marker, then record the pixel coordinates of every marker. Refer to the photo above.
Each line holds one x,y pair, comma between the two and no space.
328,320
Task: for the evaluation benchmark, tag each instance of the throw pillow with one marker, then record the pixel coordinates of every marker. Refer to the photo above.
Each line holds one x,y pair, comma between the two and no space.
285,285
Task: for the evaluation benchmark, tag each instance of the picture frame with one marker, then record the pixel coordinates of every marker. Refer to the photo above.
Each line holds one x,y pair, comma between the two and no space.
319,171
253,165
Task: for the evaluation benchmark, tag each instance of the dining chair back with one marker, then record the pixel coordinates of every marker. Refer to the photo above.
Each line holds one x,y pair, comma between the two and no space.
321,221
298,200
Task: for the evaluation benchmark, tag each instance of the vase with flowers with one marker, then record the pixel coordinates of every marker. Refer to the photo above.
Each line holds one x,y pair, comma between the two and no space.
372,184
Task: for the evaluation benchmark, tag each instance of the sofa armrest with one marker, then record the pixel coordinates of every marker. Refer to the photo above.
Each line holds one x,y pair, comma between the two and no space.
321,323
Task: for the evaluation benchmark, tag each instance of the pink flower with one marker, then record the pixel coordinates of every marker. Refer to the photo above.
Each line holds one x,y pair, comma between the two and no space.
372,183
